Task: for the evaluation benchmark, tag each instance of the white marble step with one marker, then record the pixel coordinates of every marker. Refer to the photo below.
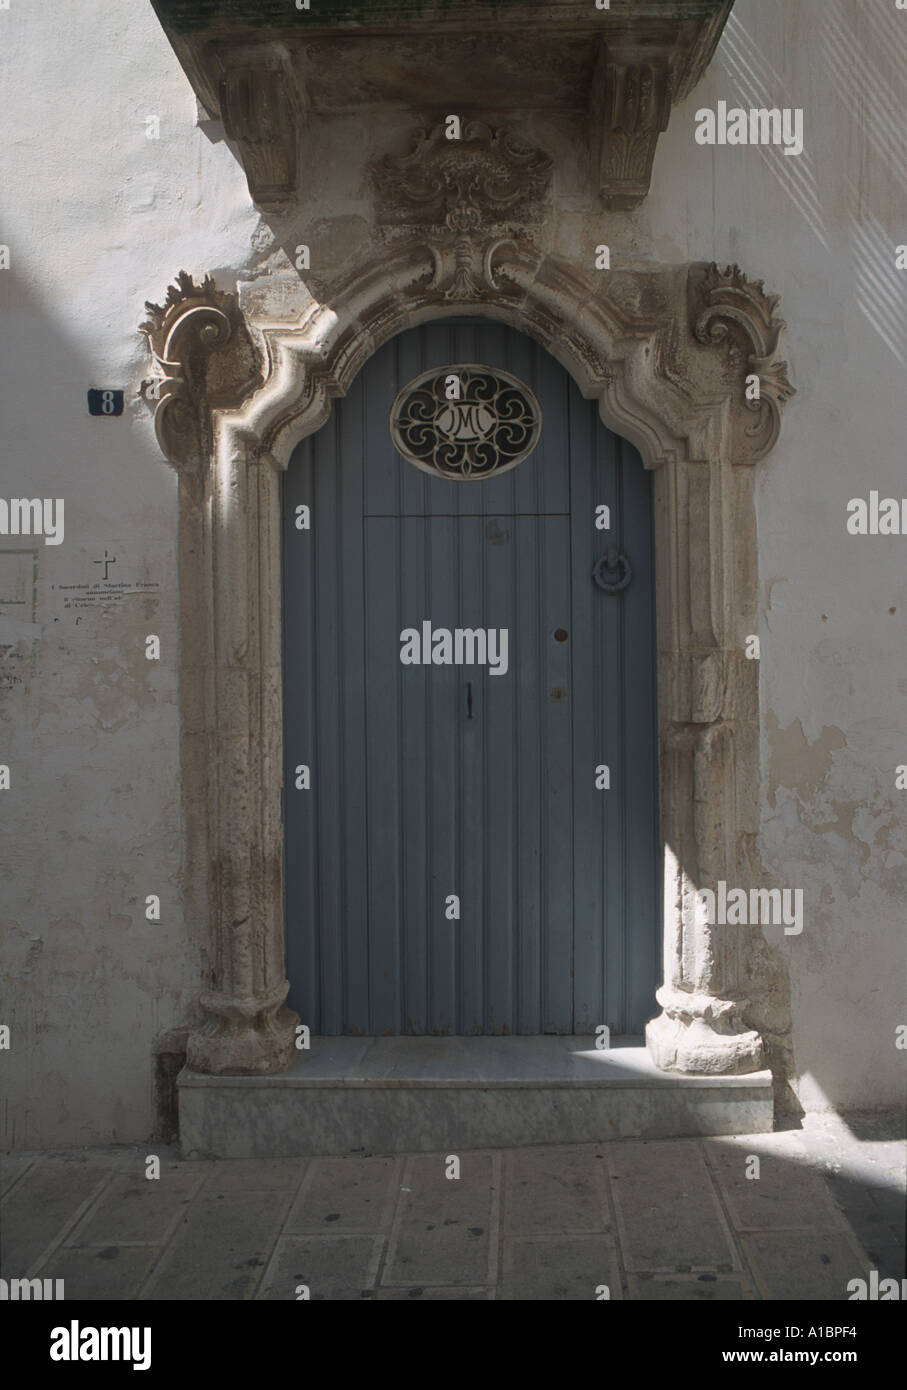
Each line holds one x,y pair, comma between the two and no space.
427,1094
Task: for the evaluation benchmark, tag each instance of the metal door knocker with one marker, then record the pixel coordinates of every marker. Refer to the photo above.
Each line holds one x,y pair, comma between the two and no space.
612,571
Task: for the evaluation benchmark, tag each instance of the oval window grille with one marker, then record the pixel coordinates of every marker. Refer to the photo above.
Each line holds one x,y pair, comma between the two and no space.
465,422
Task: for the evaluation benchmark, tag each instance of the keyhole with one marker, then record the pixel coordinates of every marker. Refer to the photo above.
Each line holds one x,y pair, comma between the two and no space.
561,634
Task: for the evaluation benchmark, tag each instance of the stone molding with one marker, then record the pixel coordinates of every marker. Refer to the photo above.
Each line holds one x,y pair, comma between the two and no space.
665,353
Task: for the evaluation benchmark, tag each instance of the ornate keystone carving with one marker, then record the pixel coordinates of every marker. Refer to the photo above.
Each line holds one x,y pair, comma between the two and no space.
737,315
488,178
631,105
193,322
470,193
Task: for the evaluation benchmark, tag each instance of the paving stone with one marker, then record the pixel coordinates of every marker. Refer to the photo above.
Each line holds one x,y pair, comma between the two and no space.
669,1218
341,1268
442,1235
221,1247
804,1264
103,1272
257,1228
689,1288
566,1268
433,1294
785,1196
137,1210
12,1166
228,1175
346,1195
38,1208
887,1259
555,1190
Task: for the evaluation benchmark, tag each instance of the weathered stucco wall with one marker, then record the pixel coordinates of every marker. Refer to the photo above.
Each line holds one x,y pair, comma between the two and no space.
99,218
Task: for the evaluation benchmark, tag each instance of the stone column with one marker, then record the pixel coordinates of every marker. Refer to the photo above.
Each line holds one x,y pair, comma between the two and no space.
707,715
249,1030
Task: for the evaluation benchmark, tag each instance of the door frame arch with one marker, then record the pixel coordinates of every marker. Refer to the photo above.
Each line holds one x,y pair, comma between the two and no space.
671,356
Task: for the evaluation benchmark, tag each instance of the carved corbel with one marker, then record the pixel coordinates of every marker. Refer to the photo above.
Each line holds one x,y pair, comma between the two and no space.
259,113
736,315
194,321
631,106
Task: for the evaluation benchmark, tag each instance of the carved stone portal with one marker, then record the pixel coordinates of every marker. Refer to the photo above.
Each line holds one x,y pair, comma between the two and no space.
669,355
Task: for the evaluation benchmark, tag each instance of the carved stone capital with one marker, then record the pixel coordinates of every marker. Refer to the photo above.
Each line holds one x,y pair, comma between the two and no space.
735,315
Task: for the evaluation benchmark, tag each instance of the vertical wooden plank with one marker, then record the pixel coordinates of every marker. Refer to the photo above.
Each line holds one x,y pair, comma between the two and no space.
589,485
556,756
446,712
300,818
352,928
385,827
327,771
612,652
383,467
497,537
472,886
530,676
415,685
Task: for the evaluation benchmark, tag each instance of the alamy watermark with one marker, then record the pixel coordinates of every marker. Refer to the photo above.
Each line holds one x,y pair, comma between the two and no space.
77,1343
32,516
735,907
758,125
30,1290
877,516
461,646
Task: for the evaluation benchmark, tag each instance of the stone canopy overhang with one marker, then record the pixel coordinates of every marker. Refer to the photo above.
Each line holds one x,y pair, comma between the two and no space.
265,68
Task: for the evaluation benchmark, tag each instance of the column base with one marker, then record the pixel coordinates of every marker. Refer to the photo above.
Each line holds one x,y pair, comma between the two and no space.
244,1036
702,1035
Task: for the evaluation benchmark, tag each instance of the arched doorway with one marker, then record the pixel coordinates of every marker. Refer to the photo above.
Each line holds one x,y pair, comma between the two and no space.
667,355
469,686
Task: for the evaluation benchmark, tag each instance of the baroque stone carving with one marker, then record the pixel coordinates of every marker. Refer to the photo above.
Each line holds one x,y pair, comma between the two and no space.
269,69
660,376
469,192
257,110
192,322
736,315
631,107
486,178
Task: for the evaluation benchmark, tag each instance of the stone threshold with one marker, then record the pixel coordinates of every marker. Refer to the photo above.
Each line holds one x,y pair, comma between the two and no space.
433,1094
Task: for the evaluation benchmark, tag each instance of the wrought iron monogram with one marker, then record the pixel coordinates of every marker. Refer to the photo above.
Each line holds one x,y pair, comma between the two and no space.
465,422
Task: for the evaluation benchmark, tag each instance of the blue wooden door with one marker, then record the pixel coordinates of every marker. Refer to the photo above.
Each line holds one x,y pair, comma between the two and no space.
474,849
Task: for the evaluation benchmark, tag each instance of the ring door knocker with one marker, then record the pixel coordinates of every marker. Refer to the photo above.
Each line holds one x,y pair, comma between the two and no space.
612,571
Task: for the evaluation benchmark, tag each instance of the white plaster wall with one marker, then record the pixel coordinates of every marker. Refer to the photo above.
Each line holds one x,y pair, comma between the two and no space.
99,218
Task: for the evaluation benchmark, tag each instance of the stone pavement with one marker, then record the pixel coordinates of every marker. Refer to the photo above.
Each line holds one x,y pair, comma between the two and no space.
659,1219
